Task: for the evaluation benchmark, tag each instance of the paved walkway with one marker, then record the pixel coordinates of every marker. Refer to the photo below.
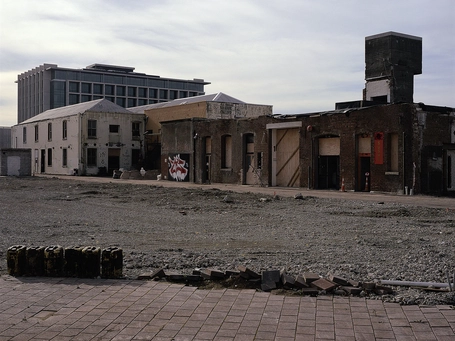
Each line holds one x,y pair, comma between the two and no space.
85,309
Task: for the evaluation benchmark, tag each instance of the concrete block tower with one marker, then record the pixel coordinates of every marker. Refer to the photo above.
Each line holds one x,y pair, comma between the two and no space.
391,61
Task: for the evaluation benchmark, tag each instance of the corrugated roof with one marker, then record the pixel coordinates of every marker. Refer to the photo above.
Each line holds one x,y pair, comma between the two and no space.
100,105
218,97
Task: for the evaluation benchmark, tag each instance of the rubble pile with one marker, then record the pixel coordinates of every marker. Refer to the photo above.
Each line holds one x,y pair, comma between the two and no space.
307,283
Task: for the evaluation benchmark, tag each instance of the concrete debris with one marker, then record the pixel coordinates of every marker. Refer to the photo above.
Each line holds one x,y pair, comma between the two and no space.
308,283
298,196
228,199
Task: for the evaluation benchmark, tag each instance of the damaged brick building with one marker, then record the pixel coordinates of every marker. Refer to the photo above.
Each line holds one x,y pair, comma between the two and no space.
384,142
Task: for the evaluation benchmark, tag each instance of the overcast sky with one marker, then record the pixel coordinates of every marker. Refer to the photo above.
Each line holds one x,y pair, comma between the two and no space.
297,55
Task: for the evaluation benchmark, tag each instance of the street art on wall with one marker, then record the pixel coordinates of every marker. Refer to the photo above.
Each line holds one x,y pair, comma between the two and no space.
178,167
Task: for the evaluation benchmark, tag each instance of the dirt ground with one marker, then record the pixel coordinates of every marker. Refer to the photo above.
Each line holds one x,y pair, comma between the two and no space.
358,236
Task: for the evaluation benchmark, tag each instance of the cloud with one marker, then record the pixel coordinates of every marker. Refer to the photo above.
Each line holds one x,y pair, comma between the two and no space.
298,55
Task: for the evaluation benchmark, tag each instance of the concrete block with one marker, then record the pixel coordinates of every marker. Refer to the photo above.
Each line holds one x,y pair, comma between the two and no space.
35,261
53,261
323,284
248,273
111,262
270,280
16,260
310,291
288,281
232,273
310,277
212,274
338,280
352,290
90,266
73,256
300,282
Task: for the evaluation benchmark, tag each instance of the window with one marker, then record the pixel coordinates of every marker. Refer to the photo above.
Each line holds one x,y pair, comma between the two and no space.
73,99
121,101
131,102
98,89
64,157
86,98
163,94
142,92
36,134
91,132
49,156
393,152
64,129
136,129
109,90
121,90
153,93
24,135
226,151
114,128
174,94
49,131
131,91
74,86
91,157
86,88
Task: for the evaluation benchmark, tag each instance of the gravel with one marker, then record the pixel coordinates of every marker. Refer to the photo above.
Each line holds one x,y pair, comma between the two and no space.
180,229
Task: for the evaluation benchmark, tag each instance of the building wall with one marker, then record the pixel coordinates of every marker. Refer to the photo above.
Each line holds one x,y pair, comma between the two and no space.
218,110
189,137
15,162
77,142
49,86
5,137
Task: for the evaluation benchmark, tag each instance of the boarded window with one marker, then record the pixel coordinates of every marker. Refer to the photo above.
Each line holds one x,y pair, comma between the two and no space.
393,152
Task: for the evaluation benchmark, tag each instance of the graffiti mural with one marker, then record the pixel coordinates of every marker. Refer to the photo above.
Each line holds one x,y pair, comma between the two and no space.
178,167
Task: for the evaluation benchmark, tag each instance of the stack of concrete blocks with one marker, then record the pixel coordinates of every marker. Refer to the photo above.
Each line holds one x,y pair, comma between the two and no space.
74,261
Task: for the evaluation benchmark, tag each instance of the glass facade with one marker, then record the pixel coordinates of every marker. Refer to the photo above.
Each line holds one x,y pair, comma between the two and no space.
49,86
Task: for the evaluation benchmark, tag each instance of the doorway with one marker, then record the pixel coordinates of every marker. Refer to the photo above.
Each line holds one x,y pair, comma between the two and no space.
43,160
364,175
249,167
328,172
113,160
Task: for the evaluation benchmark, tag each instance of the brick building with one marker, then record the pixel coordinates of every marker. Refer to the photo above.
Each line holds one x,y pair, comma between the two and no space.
384,142
385,148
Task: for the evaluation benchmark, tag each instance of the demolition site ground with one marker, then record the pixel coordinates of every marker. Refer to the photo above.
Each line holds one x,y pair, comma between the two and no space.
181,228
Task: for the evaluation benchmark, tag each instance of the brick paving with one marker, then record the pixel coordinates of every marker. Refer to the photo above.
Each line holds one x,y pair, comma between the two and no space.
38,308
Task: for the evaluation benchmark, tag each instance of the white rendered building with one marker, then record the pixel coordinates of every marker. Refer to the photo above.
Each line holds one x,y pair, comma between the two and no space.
91,138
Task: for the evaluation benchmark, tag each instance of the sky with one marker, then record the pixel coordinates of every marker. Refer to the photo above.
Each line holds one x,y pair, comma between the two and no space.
298,55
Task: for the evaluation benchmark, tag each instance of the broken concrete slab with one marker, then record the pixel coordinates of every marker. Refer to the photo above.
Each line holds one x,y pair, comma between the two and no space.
310,277
300,282
323,284
338,280
248,273
212,274
287,281
352,290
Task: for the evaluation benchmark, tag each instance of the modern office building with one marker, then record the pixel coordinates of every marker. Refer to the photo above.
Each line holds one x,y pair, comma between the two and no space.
49,86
